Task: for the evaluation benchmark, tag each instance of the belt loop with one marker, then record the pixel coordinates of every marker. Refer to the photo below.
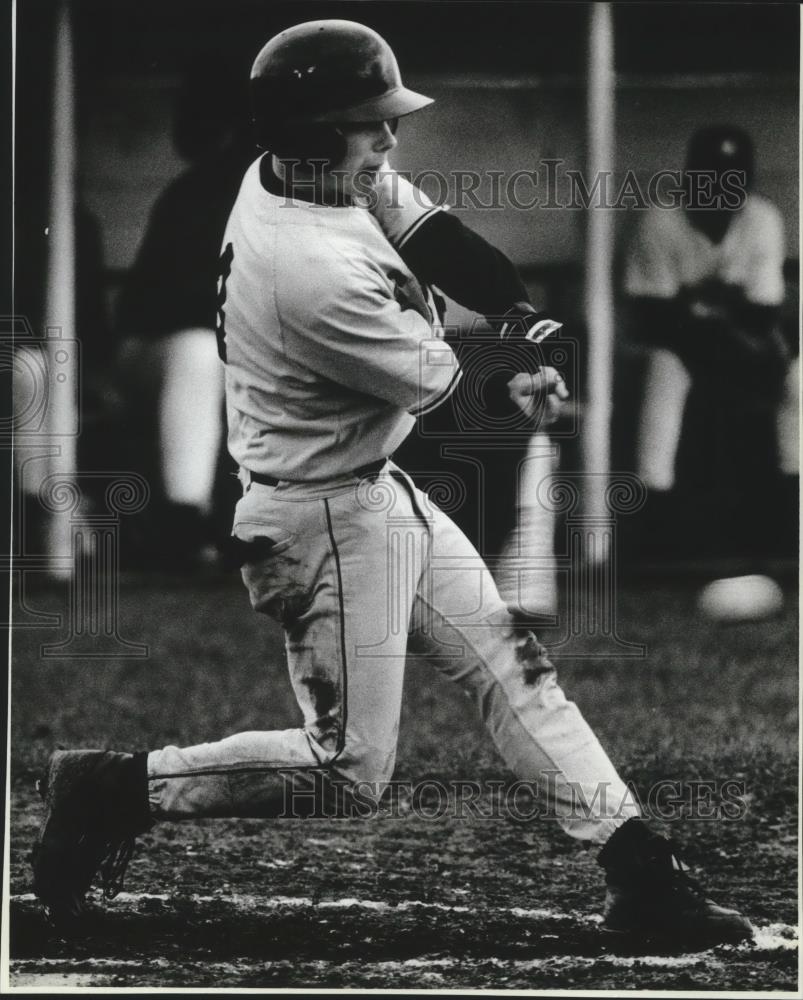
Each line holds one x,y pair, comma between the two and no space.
244,475
401,476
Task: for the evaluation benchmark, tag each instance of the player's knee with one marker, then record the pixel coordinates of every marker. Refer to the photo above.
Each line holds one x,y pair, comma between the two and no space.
355,761
350,782
532,657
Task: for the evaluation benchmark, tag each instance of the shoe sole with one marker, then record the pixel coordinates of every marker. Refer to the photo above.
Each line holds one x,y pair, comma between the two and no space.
685,940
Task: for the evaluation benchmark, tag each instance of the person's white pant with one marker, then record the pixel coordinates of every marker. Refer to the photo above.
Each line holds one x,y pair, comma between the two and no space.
666,389
362,573
182,377
787,421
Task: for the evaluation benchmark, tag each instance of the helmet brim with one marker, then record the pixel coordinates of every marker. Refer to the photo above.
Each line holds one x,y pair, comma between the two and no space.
395,103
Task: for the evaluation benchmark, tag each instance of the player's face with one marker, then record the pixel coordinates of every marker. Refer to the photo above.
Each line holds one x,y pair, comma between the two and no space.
367,145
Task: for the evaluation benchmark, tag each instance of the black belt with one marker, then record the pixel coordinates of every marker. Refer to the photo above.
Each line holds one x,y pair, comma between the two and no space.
364,470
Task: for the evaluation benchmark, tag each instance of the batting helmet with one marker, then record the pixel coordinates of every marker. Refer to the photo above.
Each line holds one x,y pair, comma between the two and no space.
309,78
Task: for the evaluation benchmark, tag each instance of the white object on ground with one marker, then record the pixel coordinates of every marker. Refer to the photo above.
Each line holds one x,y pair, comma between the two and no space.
740,598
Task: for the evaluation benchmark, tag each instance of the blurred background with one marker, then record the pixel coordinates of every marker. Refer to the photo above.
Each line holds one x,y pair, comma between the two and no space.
161,94
131,134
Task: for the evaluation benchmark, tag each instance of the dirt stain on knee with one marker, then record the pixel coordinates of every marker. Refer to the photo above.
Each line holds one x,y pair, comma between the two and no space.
323,694
532,656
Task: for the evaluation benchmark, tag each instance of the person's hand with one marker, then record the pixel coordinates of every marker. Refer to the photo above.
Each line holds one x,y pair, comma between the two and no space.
703,309
540,396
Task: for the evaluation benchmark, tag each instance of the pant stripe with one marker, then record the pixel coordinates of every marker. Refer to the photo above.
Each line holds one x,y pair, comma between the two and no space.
341,740
235,769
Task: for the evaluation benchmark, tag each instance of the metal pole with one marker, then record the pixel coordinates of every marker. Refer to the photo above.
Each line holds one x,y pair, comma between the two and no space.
599,307
61,346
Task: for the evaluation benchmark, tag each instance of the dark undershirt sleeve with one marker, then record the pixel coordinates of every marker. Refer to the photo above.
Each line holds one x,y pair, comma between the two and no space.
444,252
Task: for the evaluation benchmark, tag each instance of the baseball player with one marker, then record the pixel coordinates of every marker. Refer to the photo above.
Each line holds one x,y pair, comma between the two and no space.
330,348
705,281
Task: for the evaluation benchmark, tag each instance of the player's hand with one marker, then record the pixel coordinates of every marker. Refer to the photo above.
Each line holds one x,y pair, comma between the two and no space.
540,396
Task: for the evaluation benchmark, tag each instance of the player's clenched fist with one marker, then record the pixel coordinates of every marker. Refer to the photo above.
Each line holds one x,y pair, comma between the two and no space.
540,395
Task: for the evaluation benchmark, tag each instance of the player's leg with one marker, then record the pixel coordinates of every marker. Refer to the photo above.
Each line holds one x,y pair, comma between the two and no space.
787,421
190,430
326,579
787,428
342,580
190,409
666,389
175,382
32,463
462,627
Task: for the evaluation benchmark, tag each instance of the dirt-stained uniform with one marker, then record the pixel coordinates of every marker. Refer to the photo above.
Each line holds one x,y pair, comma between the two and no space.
330,351
330,347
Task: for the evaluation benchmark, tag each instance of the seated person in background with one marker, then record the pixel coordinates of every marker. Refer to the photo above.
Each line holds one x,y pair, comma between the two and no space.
166,321
706,287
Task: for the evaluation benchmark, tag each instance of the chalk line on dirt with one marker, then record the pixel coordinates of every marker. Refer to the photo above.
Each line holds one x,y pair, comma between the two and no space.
96,971
768,937
248,902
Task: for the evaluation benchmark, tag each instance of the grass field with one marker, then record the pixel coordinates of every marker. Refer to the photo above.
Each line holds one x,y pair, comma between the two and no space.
405,901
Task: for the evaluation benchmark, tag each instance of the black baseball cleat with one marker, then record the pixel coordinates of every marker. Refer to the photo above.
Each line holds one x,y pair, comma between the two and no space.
651,897
96,803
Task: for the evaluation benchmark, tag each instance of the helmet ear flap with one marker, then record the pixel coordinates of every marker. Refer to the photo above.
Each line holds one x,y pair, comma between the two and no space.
303,141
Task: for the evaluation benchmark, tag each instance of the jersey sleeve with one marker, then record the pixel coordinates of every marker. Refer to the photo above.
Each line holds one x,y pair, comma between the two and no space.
765,284
353,330
650,271
400,207
445,253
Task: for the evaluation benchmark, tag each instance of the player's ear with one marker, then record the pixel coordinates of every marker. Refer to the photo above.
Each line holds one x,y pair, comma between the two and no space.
307,143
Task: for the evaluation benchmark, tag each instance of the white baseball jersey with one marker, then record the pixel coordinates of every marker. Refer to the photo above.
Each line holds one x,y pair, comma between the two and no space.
327,336
668,254
399,207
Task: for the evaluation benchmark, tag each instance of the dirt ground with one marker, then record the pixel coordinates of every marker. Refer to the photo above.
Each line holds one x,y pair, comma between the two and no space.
408,901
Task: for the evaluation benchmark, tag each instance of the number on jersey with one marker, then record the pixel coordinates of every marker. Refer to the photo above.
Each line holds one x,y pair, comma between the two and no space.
223,272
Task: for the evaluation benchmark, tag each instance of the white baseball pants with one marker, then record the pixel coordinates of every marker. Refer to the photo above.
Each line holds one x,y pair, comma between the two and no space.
363,573
666,390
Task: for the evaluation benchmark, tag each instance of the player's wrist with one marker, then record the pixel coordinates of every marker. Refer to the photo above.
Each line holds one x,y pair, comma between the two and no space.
524,322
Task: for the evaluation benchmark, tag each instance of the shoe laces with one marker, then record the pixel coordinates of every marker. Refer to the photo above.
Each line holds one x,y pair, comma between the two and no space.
680,870
113,867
